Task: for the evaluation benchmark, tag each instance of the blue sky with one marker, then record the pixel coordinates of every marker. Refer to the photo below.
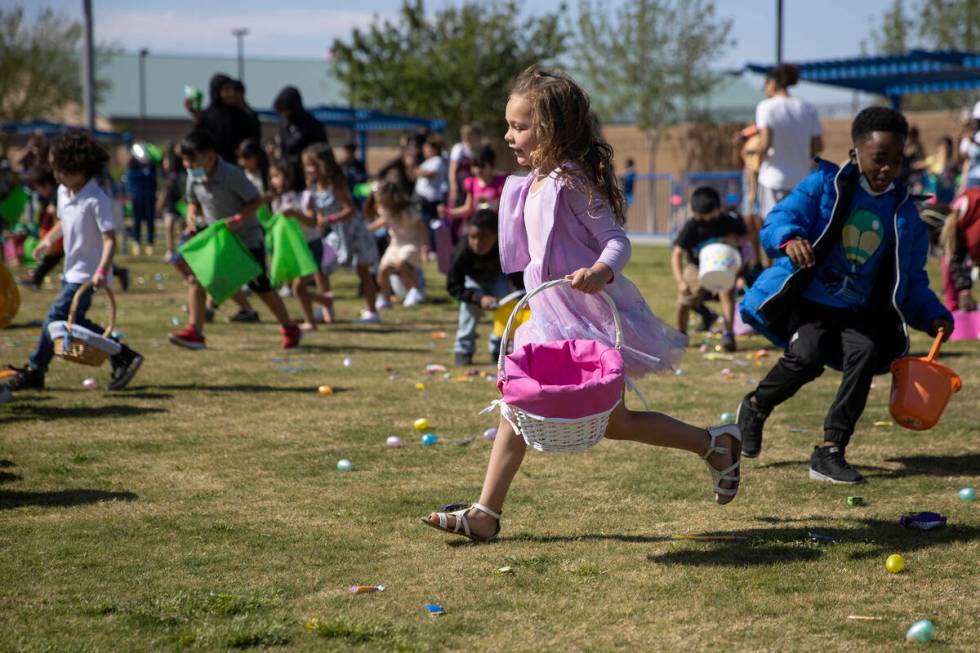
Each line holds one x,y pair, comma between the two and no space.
288,28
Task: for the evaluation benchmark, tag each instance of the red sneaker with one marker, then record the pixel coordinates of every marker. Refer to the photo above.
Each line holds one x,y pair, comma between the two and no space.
291,335
188,337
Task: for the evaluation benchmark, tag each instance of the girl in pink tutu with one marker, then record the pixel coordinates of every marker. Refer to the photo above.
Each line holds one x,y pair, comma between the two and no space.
565,220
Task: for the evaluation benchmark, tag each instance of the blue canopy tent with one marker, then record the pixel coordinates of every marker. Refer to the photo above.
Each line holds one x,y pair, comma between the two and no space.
362,121
894,76
50,129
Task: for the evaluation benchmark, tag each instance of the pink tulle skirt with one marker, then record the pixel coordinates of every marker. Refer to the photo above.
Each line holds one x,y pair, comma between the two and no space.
560,313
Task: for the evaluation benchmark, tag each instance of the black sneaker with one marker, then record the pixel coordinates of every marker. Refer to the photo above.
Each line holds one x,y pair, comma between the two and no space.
464,360
728,341
125,364
247,315
750,420
828,464
24,379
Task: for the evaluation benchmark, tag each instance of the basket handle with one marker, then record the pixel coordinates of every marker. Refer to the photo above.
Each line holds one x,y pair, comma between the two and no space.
77,298
524,300
934,350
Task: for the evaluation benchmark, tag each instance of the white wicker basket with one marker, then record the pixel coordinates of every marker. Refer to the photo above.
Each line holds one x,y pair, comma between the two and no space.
551,434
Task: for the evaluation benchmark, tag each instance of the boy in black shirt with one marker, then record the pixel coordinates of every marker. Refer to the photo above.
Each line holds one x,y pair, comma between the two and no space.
709,225
476,280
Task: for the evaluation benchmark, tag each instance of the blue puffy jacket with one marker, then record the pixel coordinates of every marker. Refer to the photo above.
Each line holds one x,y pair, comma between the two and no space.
816,211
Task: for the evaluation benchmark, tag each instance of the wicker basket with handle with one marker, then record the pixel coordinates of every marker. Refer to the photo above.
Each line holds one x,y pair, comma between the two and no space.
77,350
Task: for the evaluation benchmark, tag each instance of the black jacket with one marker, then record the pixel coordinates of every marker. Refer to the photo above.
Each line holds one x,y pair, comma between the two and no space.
297,132
228,125
482,269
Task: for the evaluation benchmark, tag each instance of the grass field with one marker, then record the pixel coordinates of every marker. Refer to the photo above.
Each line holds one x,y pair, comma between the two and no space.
201,508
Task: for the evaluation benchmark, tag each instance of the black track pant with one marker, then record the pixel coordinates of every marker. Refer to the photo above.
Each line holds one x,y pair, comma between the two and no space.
823,333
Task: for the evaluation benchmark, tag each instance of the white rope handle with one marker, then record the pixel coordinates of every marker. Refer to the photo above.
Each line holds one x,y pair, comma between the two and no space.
524,300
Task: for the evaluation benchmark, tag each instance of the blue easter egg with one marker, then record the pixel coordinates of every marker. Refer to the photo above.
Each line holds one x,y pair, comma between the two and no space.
727,418
968,494
117,335
921,631
175,321
429,439
344,465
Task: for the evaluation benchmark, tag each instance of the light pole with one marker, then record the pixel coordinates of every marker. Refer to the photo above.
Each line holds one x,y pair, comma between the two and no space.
240,34
779,32
143,53
88,67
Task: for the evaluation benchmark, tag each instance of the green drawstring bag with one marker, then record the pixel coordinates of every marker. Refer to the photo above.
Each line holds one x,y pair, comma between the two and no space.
181,206
265,217
27,260
291,256
220,261
12,206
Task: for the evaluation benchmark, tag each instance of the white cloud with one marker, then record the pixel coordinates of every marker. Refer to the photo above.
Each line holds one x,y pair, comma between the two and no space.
286,32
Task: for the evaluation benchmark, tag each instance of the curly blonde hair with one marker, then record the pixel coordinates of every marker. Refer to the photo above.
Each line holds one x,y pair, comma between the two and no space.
570,139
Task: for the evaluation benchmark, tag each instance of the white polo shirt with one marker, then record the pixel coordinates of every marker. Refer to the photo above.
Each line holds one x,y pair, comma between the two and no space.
84,216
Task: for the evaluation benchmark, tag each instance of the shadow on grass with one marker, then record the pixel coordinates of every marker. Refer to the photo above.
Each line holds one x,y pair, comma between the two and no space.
144,395
586,537
23,412
4,464
60,498
239,387
784,544
961,465
7,477
805,464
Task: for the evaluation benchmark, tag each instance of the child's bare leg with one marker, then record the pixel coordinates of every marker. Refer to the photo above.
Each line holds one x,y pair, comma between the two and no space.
370,289
323,295
408,275
384,281
683,314
276,305
662,430
505,459
168,225
196,299
305,301
728,308
240,299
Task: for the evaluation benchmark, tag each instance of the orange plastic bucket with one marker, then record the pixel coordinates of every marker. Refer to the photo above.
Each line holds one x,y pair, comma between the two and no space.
921,388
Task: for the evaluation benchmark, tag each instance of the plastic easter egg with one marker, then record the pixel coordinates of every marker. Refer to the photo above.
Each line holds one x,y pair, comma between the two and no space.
727,418
895,564
967,494
344,465
420,386
325,390
429,439
703,348
921,631
117,335
421,424
90,384
393,441
490,434
175,321
348,362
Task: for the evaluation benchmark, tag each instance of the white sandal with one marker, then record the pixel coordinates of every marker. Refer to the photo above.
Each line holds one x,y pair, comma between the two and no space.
462,526
717,476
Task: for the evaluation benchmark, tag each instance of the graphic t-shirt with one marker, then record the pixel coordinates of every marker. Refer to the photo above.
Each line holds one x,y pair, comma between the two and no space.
847,276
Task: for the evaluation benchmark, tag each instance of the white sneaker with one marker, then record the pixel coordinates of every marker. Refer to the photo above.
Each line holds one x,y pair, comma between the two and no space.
369,317
285,291
413,298
381,303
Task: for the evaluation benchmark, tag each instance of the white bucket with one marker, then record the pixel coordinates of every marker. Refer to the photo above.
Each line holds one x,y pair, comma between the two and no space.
718,269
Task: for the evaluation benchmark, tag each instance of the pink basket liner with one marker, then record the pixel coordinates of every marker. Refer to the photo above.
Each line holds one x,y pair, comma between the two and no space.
565,379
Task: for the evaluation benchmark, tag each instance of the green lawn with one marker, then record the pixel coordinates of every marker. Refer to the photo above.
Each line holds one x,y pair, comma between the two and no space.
201,508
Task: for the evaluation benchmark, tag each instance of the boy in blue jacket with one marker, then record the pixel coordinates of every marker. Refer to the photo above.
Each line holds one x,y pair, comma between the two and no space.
847,282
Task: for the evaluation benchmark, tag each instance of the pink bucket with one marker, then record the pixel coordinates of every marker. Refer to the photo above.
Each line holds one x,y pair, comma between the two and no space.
966,325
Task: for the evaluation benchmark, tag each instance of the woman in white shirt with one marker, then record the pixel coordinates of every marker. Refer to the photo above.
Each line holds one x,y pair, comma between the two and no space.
790,137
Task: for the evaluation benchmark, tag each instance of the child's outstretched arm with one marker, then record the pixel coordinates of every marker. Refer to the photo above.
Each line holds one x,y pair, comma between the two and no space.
793,217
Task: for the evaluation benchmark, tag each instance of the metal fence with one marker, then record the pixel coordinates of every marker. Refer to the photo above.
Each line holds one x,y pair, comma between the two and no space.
660,203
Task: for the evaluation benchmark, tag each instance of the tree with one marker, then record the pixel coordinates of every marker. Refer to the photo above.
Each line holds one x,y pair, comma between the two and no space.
457,65
950,23
650,60
893,35
39,64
